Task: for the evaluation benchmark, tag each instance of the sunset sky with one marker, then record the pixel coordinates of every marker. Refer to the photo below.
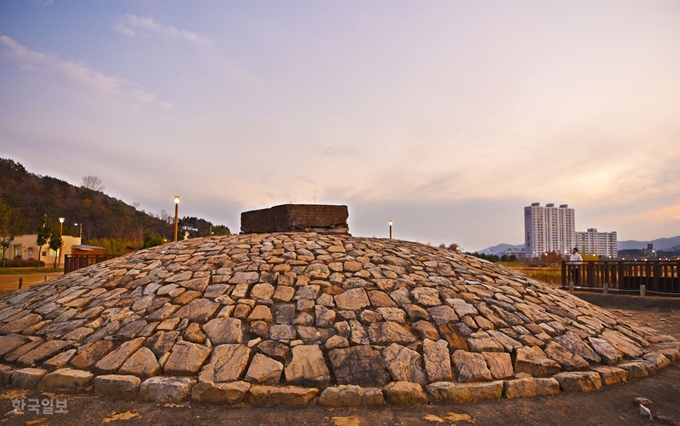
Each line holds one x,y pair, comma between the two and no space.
447,117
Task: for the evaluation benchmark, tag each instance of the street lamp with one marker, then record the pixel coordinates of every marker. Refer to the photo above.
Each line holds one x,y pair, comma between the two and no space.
61,233
390,222
81,231
176,198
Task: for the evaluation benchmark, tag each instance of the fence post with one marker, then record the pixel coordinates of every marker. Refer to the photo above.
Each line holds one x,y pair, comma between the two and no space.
643,290
21,283
45,278
571,286
605,288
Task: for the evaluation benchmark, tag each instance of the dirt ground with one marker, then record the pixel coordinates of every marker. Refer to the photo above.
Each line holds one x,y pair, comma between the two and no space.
611,406
10,283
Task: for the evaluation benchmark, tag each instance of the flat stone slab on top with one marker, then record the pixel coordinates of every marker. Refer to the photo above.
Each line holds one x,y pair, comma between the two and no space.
296,217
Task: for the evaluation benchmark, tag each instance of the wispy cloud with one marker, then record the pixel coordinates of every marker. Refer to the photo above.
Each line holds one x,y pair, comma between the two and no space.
77,75
131,24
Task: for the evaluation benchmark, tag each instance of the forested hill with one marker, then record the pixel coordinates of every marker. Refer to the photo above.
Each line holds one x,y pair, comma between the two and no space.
30,199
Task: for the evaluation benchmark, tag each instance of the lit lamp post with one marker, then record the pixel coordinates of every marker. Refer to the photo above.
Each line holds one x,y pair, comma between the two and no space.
390,222
81,231
61,233
176,197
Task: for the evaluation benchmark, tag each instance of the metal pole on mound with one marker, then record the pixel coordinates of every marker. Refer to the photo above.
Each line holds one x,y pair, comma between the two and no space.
176,197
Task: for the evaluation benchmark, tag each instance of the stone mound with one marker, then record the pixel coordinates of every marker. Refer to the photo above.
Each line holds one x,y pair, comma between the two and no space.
283,318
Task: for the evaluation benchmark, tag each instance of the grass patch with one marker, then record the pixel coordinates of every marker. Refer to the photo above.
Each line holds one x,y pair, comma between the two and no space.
24,271
550,274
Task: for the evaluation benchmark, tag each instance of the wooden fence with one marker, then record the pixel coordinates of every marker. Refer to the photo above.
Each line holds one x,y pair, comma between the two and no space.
624,276
74,262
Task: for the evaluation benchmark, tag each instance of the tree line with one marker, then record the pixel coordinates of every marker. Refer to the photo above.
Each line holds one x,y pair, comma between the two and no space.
30,204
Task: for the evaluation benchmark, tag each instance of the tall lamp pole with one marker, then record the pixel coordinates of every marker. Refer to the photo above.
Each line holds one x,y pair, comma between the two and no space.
61,233
390,222
176,197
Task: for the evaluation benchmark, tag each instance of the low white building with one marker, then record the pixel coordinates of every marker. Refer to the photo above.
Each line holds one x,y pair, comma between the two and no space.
26,247
598,243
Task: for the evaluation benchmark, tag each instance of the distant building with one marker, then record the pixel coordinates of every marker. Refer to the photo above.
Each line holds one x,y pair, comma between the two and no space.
548,229
518,253
597,243
25,247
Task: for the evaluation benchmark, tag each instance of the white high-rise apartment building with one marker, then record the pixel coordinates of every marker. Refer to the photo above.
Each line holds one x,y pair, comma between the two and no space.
548,229
598,243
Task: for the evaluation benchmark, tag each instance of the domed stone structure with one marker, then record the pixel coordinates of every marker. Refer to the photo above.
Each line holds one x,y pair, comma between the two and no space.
286,317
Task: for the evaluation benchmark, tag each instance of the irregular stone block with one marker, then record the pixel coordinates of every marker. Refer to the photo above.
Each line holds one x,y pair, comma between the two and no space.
533,361
404,364
635,369
267,396
27,378
568,360
185,359
226,364
10,342
220,393
404,394
582,381
530,387
575,345
470,367
117,386
385,333
42,352
295,217
352,300
437,360
114,360
499,364
224,330
60,360
66,380
359,365
166,389
611,375
351,396
458,393
308,367
609,354
264,370
142,364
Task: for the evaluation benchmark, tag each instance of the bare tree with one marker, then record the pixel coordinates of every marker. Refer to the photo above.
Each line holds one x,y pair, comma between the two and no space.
93,183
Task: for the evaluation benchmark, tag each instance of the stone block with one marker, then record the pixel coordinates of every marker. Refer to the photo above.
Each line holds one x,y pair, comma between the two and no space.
351,396
166,389
268,396
583,381
27,378
404,394
611,375
635,369
530,387
66,380
295,217
220,393
459,393
117,386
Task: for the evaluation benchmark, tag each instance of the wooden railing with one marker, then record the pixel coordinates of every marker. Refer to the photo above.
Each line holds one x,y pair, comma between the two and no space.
658,277
74,262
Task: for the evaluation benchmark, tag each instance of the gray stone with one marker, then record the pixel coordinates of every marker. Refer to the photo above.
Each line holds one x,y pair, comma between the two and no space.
359,365
404,394
117,386
352,300
142,364
264,370
351,396
568,360
530,387
534,361
227,364
185,359
385,333
470,367
308,367
458,393
114,360
27,378
66,380
499,364
437,360
609,354
268,396
220,393
224,330
583,381
166,389
573,342
404,364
